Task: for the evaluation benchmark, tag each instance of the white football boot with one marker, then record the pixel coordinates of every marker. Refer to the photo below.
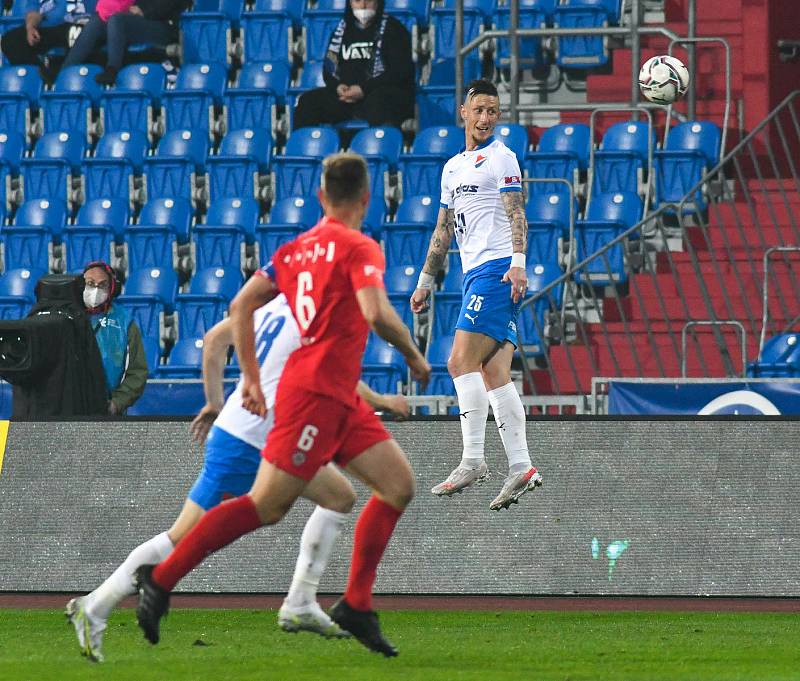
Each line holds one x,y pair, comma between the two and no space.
88,629
311,618
460,479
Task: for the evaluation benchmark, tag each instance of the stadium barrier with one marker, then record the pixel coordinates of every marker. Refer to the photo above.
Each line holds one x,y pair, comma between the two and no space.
629,506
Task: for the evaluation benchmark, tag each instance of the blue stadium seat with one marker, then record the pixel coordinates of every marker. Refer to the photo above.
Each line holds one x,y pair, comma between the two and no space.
69,105
382,368
16,14
297,172
385,143
405,239
12,147
446,308
422,167
152,351
51,214
109,173
206,37
236,212
531,319
548,224
318,25
20,89
20,283
443,24
175,212
131,104
692,148
563,152
243,156
172,172
86,243
218,246
623,207
210,292
111,213
217,281
250,108
418,210
148,246
401,281
296,211
780,358
291,7
270,237
572,139
268,35
374,216
310,77
231,9
584,51
621,161
453,281
436,103
26,247
264,77
531,15
437,354
515,137
56,158
184,361
149,295
420,10
190,106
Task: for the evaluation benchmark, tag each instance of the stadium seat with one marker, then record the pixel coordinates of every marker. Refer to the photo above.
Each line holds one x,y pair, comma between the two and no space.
175,212
622,160
262,86
16,14
531,321
318,25
20,89
217,281
406,239
86,243
190,106
422,168
206,37
435,100
385,143
264,77
210,292
131,104
270,237
296,210
239,212
152,351
446,308
244,156
51,214
172,172
437,354
231,9
110,172
691,149
548,225
453,281
443,25
420,10
382,368
12,147
400,282
374,216
419,210
515,137
218,246
148,296
780,358
563,152
148,246
184,361
297,171
573,139
26,248
111,213
268,35
69,105
49,173
584,51
17,292
532,14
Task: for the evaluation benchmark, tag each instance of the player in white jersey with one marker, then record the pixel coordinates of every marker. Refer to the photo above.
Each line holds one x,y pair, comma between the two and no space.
483,205
234,438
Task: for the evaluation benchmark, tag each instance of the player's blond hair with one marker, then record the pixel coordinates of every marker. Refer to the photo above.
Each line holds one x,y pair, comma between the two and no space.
345,177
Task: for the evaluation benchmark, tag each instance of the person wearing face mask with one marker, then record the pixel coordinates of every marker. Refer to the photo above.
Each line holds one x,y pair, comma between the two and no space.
368,71
118,337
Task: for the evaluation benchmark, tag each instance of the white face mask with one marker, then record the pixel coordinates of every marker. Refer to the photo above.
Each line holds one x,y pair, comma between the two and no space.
94,297
364,16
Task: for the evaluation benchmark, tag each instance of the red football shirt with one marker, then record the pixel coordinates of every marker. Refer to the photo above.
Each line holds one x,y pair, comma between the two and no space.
320,272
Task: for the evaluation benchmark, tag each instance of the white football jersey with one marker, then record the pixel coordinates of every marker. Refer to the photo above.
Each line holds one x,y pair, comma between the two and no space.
277,337
472,183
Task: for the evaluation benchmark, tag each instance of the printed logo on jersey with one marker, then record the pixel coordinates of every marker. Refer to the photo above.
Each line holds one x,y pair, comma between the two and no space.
480,160
466,189
511,179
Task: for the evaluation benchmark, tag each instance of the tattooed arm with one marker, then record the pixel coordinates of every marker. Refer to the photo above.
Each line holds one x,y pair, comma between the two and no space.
437,252
514,203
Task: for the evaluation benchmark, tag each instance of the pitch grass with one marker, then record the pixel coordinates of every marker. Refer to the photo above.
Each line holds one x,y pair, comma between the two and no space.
487,646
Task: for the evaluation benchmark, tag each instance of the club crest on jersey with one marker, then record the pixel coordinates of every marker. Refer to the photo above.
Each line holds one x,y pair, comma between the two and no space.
480,160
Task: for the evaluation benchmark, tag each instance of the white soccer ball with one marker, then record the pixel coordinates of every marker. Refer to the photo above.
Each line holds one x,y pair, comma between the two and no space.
663,79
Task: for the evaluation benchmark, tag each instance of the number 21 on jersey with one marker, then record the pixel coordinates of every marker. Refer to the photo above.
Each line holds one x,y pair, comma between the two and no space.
304,305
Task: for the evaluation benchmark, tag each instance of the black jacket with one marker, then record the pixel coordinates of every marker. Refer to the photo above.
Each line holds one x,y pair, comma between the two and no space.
354,64
163,10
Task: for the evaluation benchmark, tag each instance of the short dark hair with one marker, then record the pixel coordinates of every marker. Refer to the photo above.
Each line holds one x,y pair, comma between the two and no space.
480,86
345,177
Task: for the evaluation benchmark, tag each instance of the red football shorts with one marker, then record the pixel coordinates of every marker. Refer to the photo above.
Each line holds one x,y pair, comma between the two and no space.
310,430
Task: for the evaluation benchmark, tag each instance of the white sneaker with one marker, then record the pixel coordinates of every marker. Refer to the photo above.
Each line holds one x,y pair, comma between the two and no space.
88,629
311,618
515,486
460,479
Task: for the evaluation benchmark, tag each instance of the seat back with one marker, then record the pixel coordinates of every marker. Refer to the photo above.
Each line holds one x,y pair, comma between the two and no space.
23,80
222,281
60,145
87,243
265,76
255,143
316,143
185,144
550,208
218,246
443,140
629,136
624,207
421,209
210,77
205,38
20,282
702,136
319,25
79,79
515,137
296,210
239,212
48,213
150,246
267,36
26,247
573,138
159,283
149,79
385,142
12,147
131,146
175,211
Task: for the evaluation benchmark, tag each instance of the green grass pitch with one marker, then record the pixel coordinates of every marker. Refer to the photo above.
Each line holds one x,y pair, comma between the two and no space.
485,646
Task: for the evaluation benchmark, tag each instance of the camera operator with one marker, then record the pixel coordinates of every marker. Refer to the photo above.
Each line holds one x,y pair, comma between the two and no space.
118,337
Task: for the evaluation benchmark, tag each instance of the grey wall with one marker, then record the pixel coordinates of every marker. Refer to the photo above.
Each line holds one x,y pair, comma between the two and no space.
707,507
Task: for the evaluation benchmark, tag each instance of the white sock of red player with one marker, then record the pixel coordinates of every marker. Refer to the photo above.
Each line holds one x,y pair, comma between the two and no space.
319,535
105,597
473,405
510,417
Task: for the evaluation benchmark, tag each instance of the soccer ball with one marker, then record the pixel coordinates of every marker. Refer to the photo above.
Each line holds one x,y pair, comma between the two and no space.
663,79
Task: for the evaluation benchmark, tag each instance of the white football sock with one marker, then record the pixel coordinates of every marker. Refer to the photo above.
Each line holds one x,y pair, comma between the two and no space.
510,417
316,544
474,407
105,597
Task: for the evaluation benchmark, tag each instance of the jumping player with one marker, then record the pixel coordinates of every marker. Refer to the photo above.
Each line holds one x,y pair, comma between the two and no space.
332,277
232,453
482,203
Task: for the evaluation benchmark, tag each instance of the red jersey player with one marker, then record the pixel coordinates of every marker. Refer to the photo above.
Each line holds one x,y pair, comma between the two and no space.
332,276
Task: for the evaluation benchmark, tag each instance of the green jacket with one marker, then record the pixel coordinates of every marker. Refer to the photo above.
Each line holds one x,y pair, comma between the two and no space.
134,379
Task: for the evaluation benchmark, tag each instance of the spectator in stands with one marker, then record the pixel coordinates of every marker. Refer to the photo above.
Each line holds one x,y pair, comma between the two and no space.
368,71
118,337
56,24
119,23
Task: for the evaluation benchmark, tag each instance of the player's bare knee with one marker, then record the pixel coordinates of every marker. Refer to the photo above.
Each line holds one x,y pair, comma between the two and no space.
343,503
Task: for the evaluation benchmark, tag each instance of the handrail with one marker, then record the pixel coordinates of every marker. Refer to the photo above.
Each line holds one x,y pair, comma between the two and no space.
713,322
765,296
